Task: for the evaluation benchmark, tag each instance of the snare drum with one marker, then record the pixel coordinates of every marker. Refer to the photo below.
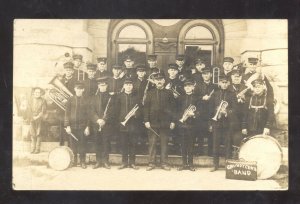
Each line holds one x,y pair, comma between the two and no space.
266,151
60,158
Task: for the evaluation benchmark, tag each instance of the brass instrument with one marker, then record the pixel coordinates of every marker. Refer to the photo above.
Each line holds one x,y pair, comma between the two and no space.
130,114
221,110
187,113
147,87
216,75
59,94
105,112
169,87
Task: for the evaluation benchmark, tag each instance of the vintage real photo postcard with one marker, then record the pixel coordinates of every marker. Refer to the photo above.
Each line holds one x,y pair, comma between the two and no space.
150,104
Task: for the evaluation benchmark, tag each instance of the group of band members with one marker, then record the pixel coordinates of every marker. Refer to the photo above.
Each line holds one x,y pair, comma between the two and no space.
184,102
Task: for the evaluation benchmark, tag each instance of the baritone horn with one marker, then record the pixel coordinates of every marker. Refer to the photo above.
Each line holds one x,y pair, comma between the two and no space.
188,112
130,114
221,110
216,75
59,94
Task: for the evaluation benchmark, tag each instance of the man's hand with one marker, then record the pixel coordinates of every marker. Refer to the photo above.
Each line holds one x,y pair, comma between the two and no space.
87,131
244,131
68,130
266,131
172,126
101,122
206,97
147,125
210,128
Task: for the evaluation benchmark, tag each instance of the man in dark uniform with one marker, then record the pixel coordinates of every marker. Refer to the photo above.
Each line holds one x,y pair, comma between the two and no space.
159,117
152,62
77,123
187,123
172,82
126,102
69,78
130,70
199,66
101,68
101,114
183,71
90,82
79,72
221,116
115,83
259,111
227,67
252,70
204,90
240,90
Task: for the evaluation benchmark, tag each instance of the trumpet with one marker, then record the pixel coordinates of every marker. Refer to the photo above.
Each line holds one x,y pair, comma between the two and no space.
221,110
130,114
216,75
188,112
169,87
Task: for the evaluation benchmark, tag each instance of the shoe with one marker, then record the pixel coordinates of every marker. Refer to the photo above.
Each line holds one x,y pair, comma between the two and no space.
215,168
150,167
36,152
165,167
123,166
97,165
191,168
83,165
181,168
134,167
107,166
74,164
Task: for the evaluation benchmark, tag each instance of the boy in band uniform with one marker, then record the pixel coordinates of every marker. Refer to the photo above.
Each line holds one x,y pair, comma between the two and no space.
221,116
187,123
90,82
126,102
101,114
77,123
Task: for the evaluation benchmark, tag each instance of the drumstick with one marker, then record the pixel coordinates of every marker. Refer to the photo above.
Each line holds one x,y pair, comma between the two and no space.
72,135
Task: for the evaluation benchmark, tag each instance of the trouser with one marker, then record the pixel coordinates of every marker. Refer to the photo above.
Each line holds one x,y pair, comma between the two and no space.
163,138
202,132
187,145
232,143
220,132
128,143
102,146
35,135
80,145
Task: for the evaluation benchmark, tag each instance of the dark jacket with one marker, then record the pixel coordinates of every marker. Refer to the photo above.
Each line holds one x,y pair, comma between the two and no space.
76,114
175,84
183,102
139,87
90,87
98,105
215,102
102,74
69,83
115,85
201,90
123,105
159,108
197,77
259,113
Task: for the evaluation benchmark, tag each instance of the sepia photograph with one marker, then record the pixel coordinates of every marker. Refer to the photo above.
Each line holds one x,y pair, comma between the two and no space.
150,104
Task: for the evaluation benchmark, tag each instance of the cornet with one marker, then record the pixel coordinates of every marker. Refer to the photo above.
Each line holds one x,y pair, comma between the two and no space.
169,87
221,110
187,113
130,114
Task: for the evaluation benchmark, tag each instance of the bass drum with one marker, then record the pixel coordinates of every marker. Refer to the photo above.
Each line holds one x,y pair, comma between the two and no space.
60,158
266,151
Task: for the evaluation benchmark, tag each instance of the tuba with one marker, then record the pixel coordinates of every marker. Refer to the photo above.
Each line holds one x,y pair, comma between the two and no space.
221,108
130,114
59,94
188,110
216,75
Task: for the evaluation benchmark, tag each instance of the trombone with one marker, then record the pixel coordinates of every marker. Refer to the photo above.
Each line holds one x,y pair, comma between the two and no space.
130,114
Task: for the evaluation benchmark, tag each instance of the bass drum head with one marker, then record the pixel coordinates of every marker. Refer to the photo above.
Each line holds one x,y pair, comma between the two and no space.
60,158
266,151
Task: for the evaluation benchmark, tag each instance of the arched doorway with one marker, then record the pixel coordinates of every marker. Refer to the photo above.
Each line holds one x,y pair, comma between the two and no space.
166,38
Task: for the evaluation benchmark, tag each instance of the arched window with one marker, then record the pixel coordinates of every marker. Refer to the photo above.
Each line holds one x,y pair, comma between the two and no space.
200,38
130,37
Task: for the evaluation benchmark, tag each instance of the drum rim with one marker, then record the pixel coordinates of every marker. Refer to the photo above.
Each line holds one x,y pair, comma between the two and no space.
266,137
60,147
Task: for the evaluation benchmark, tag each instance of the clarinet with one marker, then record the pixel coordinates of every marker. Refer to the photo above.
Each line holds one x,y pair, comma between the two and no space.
105,112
